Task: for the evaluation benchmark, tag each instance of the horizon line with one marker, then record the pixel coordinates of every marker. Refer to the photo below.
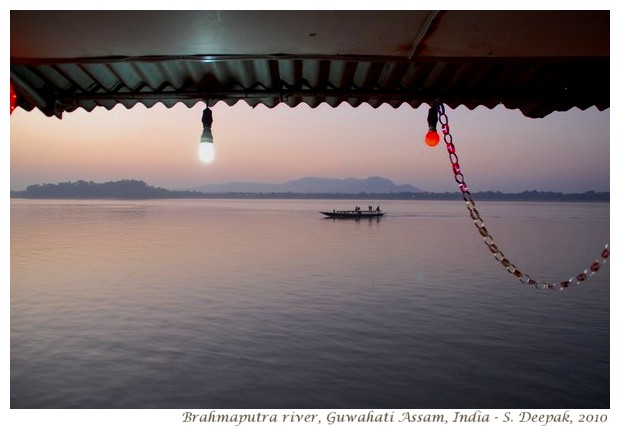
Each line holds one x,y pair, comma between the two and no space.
420,191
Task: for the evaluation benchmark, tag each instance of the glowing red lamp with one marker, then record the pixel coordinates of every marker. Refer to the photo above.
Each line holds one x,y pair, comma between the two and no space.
13,100
432,138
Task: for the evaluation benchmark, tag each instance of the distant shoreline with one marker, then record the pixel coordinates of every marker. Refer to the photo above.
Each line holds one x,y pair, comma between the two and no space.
139,190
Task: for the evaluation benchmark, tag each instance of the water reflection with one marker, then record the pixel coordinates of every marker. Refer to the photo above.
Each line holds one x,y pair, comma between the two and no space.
240,304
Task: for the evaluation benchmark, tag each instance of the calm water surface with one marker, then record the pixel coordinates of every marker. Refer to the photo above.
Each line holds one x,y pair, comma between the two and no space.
265,304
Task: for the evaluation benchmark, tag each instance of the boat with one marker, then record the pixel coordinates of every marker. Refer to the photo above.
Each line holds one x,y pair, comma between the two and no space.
353,214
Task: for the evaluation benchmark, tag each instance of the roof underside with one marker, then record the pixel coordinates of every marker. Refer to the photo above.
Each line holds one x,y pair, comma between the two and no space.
535,61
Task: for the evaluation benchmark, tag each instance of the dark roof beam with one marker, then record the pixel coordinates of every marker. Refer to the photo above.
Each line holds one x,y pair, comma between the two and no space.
346,94
427,28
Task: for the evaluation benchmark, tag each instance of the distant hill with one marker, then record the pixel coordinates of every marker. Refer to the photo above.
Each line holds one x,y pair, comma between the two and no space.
121,189
313,185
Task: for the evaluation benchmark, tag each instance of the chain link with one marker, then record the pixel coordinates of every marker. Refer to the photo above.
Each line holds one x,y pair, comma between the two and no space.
487,238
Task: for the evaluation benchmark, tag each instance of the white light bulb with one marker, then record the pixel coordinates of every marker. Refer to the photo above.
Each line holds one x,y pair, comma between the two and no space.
206,152
205,148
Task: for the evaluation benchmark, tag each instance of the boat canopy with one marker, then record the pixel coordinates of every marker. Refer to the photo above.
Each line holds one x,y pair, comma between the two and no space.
535,61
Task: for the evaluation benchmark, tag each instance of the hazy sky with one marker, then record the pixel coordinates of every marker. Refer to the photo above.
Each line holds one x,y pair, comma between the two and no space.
499,149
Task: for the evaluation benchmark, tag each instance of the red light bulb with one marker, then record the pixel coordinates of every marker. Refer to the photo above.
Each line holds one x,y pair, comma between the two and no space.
432,138
13,100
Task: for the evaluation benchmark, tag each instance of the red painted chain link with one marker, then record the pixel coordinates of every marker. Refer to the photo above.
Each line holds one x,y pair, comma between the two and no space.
488,238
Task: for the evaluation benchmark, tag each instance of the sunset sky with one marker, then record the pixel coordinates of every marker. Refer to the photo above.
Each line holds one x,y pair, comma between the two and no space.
499,149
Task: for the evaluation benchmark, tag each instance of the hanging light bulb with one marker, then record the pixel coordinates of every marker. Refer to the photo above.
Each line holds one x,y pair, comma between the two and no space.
13,100
205,148
432,137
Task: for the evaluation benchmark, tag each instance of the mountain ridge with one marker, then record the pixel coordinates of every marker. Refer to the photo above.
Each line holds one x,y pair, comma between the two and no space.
312,185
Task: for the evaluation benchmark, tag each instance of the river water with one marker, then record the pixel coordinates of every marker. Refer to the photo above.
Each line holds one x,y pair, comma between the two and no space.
266,304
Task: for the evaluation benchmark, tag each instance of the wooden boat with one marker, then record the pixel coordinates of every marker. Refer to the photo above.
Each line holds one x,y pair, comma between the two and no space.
353,214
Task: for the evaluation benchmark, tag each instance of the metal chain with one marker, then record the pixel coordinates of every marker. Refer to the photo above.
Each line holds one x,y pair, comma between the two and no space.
488,238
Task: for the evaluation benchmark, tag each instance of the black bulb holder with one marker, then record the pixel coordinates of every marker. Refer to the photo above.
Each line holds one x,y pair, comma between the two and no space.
432,118
207,118
207,121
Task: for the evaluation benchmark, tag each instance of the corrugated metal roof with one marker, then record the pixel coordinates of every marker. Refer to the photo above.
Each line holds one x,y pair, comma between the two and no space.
535,84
